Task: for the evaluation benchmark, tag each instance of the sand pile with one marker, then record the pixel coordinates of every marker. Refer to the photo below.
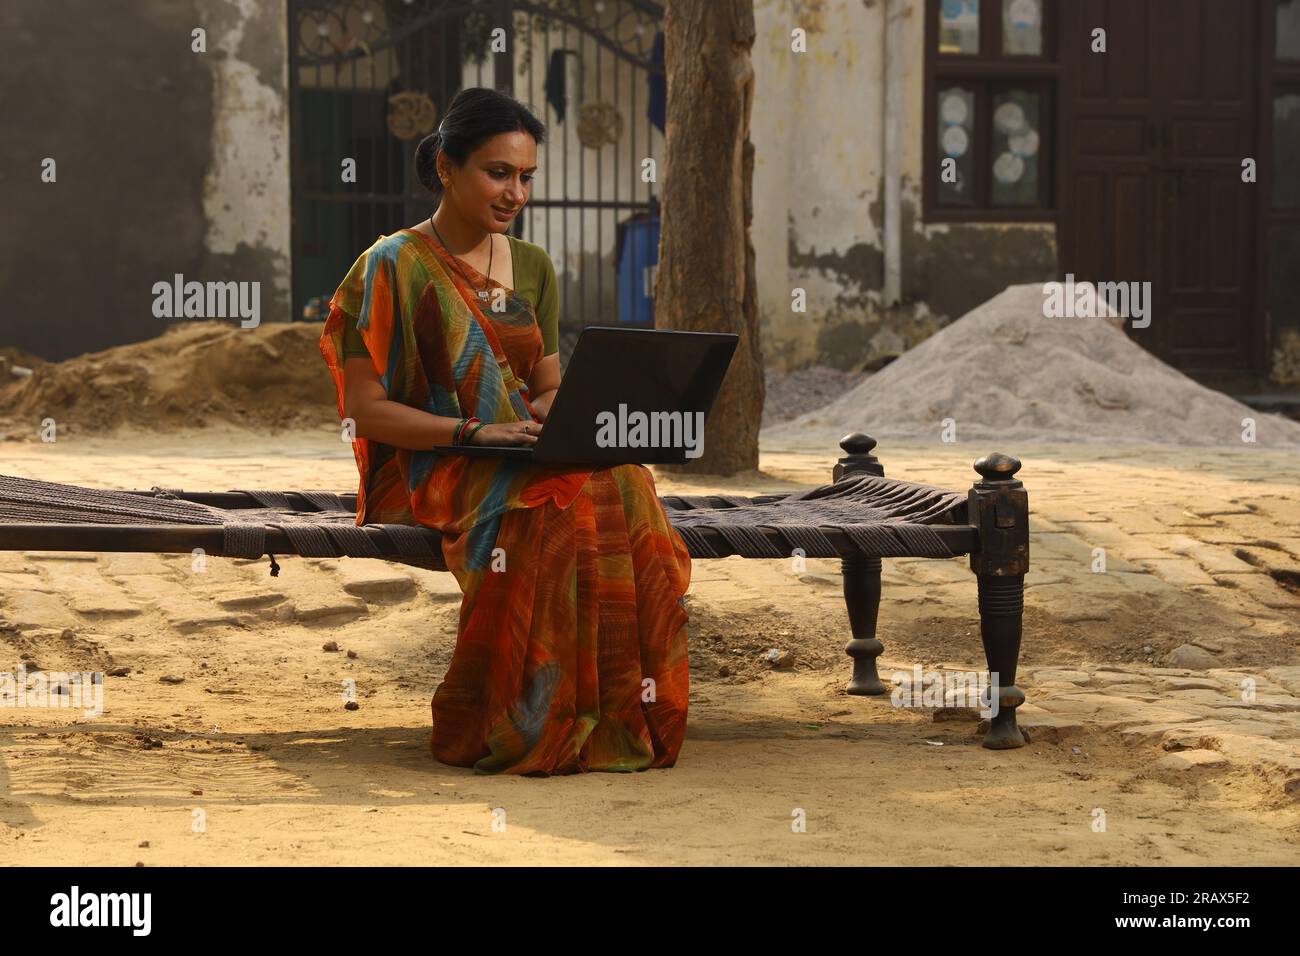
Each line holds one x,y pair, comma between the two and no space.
196,374
1004,372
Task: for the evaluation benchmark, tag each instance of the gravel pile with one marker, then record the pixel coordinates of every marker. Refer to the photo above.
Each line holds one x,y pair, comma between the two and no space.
791,394
1005,372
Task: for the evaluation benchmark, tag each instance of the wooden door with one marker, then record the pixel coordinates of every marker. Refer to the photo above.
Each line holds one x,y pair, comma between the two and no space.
1156,129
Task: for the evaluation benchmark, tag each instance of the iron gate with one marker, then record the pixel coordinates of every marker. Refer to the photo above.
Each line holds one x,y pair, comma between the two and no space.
369,78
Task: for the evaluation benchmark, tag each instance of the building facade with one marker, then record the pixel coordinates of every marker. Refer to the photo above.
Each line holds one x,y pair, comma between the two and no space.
913,158
957,146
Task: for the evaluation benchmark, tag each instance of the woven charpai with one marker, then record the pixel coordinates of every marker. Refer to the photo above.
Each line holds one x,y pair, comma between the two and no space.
883,517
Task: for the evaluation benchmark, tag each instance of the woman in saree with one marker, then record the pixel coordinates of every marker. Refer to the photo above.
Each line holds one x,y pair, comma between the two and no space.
571,647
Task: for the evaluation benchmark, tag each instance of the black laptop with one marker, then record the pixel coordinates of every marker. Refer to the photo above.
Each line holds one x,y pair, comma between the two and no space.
629,396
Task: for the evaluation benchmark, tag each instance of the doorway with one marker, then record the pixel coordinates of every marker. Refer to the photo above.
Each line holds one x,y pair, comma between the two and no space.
1155,132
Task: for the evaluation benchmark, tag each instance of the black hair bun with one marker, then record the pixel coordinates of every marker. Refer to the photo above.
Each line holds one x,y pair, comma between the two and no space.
426,161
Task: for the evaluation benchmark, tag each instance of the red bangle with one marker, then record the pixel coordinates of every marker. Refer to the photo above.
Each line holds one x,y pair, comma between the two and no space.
460,429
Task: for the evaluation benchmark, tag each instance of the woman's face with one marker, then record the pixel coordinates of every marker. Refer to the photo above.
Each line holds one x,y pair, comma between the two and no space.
495,182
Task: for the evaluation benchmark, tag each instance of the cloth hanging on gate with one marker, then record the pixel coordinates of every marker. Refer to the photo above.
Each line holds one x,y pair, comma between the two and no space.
656,110
556,82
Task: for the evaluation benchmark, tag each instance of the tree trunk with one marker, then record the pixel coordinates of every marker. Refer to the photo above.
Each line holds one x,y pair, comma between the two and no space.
706,280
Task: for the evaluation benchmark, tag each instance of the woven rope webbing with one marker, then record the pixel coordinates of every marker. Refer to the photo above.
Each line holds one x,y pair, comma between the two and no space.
882,517
243,540
29,501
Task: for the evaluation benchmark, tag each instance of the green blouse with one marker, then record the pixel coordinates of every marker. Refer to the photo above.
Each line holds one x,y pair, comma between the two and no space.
534,280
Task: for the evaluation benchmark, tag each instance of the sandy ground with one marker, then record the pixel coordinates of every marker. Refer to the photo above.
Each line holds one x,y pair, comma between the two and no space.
227,741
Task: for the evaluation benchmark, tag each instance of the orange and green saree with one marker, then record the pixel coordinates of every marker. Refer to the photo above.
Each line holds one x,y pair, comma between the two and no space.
571,649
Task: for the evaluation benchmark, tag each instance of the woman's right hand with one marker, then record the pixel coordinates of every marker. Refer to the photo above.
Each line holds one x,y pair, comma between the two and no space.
508,433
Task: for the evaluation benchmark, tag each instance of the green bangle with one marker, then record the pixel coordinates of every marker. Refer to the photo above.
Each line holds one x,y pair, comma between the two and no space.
470,437
460,426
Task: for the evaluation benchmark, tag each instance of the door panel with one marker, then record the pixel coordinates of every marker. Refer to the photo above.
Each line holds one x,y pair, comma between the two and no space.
1090,220
1108,206
1133,238
1158,126
1209,110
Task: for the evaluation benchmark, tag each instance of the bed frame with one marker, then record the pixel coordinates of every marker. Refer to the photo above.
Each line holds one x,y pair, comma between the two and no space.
898,519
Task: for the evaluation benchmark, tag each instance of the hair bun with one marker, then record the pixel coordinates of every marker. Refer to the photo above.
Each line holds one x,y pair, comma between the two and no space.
426,160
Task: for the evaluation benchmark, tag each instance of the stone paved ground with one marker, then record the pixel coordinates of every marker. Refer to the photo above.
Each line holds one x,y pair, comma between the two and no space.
1181,657
1188,640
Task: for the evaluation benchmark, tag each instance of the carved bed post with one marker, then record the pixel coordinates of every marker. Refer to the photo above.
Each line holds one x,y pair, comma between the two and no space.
861,576
998,506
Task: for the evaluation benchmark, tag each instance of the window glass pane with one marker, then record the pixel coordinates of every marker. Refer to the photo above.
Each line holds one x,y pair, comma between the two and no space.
956,126
1022,27
1288,29
959,26
1286,150
1015,149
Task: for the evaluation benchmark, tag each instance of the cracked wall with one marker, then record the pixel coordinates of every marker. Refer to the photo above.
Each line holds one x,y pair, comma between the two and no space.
246,187
818,193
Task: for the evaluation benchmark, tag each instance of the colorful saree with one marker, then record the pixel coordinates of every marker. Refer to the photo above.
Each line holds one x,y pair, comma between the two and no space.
571,649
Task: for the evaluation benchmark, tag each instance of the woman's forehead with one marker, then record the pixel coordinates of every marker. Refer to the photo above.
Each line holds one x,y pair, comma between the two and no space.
517,148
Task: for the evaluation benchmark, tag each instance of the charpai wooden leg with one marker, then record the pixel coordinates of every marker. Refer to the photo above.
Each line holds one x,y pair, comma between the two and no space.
998,507
861,575
1002,603
862,596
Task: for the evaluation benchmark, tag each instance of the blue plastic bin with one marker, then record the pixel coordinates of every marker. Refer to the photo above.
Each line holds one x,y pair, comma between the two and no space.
638,261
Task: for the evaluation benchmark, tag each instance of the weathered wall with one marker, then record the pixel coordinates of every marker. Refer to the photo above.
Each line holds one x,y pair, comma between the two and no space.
818,192
167,161
246,186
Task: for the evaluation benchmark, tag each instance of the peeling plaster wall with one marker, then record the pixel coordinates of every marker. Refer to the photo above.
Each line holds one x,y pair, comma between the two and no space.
817,168
168,161
246,190
818,193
